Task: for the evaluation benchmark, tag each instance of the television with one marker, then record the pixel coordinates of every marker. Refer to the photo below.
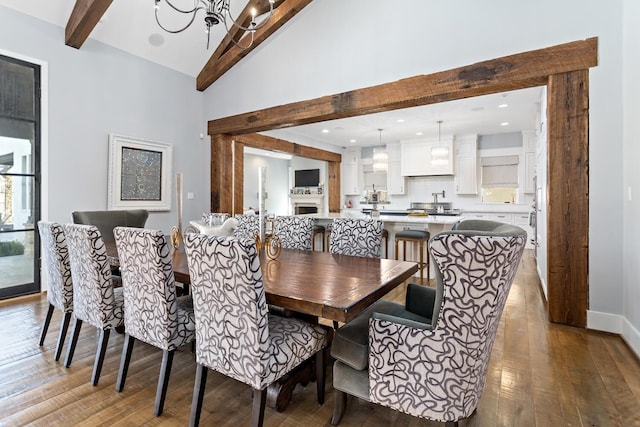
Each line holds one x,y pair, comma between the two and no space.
307,178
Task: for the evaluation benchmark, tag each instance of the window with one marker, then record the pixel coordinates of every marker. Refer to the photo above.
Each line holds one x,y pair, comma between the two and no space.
500,179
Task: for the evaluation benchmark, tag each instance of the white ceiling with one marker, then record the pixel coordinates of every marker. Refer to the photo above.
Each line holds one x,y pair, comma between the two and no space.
484,115
130,25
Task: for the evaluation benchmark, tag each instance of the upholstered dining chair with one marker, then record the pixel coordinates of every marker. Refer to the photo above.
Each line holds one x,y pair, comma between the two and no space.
152,311
429,358
95,300
106,221
248,226
60,286
356,237
235,334
294,232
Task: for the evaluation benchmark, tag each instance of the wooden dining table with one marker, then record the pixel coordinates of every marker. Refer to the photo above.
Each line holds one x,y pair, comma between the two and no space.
329,286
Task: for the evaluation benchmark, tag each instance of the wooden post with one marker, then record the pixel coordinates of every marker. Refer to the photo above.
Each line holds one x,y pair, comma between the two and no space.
568,183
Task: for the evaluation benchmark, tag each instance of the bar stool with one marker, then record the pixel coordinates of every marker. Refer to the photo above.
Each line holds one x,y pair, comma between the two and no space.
385,236
420,237
317,229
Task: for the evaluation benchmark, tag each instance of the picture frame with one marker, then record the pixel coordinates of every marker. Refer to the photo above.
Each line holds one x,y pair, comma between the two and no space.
140,174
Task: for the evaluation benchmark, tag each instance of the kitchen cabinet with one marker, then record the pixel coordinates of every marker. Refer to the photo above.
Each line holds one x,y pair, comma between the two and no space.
351,183
529,143
521,219
395,180
422,157
466,178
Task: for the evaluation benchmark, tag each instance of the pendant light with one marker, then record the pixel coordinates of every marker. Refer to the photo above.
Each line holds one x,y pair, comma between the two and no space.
380,157
440,153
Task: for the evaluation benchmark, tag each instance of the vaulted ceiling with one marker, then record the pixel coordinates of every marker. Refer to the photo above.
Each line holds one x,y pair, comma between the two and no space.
131,26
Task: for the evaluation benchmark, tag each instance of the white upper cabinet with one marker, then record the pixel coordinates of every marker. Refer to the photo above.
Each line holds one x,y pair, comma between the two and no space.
466,178
419,157
351,172
395,180
529,144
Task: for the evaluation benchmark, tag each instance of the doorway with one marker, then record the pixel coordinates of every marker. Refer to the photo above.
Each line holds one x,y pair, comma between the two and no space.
19,177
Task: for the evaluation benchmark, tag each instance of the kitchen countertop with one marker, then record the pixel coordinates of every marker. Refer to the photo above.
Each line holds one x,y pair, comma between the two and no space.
431,219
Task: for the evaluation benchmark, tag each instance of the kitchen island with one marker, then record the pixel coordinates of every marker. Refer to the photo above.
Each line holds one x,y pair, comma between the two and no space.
394,223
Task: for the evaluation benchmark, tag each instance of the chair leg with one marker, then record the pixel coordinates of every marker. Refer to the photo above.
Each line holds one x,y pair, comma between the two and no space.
163,381
72,344
420,248
66,318
45,324
198,394
257,413
102,349
339,406
127,349
321,373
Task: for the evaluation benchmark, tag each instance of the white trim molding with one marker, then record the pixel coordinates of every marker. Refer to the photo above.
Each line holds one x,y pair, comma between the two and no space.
616,324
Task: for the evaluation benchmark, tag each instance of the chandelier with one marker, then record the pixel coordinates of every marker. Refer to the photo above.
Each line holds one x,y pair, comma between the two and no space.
215,12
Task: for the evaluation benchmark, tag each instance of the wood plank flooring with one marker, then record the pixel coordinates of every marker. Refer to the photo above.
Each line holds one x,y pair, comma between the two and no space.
541,374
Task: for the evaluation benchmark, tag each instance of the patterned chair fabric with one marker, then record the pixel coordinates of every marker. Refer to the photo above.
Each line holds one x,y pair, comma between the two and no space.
235,334
294,232
437,370
356,237
248,226
60,285
95,300
152,311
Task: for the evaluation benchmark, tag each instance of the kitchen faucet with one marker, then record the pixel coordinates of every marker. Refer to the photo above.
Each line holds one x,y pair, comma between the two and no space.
435,196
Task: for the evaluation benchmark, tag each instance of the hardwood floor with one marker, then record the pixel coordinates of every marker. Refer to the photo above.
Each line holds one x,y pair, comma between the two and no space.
541,374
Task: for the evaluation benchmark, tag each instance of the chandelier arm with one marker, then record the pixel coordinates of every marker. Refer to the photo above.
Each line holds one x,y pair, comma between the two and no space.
193,17
195,7
254,28
238,45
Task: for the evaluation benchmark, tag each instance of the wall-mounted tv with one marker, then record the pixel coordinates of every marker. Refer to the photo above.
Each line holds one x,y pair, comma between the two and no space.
307,178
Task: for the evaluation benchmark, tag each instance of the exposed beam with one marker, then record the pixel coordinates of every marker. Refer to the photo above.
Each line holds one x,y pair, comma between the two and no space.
270,143
244,19
564,69
227,56
83,19
517,71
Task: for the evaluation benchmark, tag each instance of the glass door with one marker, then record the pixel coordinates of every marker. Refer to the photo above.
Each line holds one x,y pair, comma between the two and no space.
19,177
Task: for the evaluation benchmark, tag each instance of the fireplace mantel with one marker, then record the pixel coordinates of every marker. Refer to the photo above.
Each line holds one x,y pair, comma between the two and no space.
307,200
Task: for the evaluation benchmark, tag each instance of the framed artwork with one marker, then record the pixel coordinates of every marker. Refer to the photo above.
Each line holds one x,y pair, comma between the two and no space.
139,174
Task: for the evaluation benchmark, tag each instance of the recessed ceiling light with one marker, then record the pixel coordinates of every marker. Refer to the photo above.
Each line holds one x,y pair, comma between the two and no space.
504,124
325,130
400,120
418,133
503,105
352,141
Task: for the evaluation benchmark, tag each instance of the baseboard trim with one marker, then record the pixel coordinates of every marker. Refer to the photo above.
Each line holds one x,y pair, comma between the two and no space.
616,324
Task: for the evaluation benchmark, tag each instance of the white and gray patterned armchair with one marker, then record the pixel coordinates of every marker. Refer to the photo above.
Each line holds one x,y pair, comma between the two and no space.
356,237
248,226
235,334
294,232
60,286
433,368
152,311
95,300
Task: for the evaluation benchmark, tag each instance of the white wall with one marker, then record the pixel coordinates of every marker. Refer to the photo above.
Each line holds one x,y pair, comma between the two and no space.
277,183
631,186
98,90
370,43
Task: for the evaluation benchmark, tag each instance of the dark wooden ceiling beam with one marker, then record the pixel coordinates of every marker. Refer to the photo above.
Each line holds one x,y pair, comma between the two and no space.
85,16
270,143
225,57
517,71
